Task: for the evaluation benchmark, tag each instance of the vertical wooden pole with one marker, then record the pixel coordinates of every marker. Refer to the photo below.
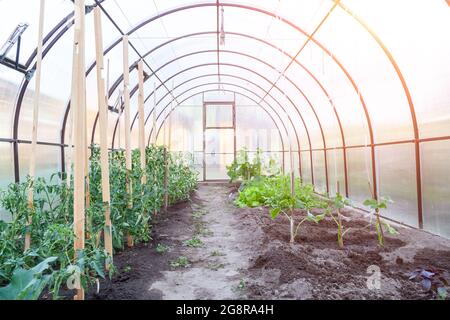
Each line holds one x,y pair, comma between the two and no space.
126,95
79,109
153,138
142,121
154,113
166,179
37,96
169,142
291,163
103,119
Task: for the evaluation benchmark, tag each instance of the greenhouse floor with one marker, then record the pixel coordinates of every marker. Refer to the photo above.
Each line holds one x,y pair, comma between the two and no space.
244,254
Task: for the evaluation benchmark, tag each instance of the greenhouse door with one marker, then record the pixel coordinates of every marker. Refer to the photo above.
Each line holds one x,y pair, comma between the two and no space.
219,139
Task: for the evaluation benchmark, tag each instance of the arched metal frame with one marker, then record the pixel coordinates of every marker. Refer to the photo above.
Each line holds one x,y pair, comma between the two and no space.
264,78
237,93
417,140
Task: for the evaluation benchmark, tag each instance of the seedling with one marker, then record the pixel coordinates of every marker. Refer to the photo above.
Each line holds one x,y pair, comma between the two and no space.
216,266
217,253
339,202
377,206
127,269
201,230
242,284
198,215
161,248
194,242
180,262
433,281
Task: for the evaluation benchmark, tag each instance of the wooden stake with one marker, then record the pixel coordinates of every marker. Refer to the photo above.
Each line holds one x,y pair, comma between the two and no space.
126,95
103,119
37,96
79,109
142,121
166,179
154,113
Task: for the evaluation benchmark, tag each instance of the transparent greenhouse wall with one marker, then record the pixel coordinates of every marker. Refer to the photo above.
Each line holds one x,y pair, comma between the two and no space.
421,58
254,130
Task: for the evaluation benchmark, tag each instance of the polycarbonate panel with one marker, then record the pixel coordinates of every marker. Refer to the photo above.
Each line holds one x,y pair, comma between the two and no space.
7,165
396,172
13,12
9,84
416,41
359,168
187,134
216,166
372,72
219,141
255,129
306,167
436,190
336,174
320,182
219,116
6,171
48,160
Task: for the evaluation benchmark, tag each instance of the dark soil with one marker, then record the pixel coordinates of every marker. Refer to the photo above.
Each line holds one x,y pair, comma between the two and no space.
246,254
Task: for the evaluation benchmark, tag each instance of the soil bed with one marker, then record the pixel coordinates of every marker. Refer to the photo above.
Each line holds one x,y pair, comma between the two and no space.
244,254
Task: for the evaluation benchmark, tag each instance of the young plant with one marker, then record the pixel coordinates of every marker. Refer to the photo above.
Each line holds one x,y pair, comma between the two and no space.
161,248
282,199
433,281
377,206
339,202
194,242
180,262
241,169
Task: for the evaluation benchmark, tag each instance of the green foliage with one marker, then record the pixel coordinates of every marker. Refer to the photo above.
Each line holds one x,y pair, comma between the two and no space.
276,193
194,242
180,262
52,224
161,248
27,284
241,169
339,202
377,206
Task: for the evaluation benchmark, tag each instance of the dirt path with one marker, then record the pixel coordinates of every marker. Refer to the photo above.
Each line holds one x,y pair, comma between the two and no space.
233,253
216,266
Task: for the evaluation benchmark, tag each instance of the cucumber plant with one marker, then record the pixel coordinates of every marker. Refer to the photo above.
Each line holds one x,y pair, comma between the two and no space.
339,202
377,206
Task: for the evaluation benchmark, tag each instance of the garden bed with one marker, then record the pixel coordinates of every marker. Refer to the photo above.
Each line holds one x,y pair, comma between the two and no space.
256,260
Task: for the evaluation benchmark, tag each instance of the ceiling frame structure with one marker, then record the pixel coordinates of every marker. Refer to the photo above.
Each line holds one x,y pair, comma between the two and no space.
65,24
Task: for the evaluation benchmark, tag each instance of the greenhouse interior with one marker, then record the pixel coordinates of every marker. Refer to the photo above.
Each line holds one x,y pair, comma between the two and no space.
225,150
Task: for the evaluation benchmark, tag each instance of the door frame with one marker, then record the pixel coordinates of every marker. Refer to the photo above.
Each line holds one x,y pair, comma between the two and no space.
205,128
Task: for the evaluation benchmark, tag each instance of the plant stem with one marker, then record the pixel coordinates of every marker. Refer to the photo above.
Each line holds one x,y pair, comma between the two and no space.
340,236
293,233
379,228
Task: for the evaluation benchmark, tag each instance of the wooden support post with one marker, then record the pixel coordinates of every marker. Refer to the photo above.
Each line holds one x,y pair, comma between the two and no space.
166,179
103,119
154,113
79,109
291,161
37,96
126,95
142,121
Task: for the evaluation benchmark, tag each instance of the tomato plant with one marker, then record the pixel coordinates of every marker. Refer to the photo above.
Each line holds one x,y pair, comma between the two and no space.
276,194
241,169
49,261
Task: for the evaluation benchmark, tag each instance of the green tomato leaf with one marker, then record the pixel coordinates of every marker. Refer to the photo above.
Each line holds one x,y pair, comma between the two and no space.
275,212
